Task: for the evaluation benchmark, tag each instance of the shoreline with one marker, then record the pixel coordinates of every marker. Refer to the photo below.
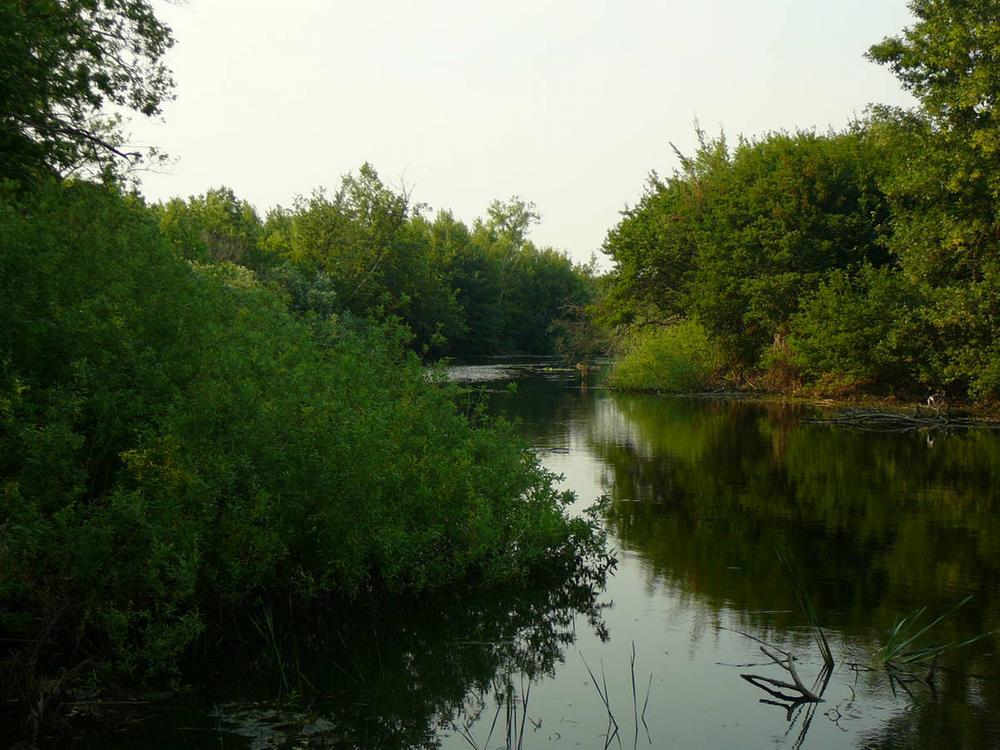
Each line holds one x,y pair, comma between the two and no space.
962,414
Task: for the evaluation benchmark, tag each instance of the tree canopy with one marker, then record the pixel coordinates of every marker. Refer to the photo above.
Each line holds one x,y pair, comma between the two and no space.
862,260
943,182
736,235
63,62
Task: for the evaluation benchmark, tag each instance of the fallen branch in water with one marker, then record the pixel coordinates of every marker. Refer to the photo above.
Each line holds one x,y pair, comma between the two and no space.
798,694
788,664
881,421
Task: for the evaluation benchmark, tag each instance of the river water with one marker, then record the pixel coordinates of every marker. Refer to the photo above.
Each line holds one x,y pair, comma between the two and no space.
703,495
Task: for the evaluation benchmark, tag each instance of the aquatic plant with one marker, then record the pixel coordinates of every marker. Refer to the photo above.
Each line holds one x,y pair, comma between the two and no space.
902,641
805,603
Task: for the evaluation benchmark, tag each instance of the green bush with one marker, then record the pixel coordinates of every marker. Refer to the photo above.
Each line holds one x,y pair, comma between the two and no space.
678,358
862,332
173,440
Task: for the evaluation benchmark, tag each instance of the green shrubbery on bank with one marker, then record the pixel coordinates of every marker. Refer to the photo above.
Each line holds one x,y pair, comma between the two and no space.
858,261
678,358
174,441
201,409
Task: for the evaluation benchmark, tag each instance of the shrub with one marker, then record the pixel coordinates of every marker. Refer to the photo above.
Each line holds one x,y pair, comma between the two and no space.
677,357
855,333
173,440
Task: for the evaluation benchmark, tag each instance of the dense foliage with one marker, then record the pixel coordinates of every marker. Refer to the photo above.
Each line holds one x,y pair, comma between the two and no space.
367,251
63,61
175,441
200,409
736,237
856,261
678,357
946,202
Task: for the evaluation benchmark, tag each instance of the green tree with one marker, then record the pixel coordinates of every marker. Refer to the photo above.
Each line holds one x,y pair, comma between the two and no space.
63,61
214,226
474,277
736,236
948,60
863,332
376,252
946,202
512,219
541,285
350,235
504,232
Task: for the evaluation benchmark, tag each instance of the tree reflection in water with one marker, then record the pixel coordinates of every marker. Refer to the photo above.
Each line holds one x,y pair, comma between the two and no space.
880,524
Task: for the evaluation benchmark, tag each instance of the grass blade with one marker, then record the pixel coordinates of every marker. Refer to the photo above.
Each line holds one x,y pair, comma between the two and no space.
806,604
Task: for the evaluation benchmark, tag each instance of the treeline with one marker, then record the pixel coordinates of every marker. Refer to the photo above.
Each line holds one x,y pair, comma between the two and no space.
201,412
860,261
366,251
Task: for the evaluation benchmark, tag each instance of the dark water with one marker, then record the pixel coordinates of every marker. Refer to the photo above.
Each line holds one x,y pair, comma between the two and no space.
702,494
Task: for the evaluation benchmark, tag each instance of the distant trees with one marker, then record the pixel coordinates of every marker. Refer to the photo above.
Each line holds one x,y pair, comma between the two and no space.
213,226
366,251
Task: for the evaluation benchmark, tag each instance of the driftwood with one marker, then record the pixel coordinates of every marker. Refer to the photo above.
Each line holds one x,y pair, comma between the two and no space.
803,694
922,418
791,696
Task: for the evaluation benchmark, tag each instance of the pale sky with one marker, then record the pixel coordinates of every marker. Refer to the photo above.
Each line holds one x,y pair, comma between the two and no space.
567,103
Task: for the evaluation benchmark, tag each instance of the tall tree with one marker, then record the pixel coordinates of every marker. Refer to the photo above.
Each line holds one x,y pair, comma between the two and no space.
216,225
946,203
61,63
736,236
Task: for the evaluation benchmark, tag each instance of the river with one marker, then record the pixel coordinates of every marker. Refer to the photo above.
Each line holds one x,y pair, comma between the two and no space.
703,496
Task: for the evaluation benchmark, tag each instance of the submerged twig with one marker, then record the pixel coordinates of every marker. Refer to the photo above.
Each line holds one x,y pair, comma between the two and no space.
797,694
788,664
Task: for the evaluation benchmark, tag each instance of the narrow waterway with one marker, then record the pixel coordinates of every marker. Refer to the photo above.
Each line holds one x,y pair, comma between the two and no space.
702,496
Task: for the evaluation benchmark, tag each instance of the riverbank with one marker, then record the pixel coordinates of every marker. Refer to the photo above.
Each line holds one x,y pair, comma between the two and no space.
942,415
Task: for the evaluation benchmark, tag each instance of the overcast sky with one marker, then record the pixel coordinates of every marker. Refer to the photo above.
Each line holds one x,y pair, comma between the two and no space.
567,103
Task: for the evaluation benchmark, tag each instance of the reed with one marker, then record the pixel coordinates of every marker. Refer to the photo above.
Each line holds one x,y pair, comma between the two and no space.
901,645
806,604
605,699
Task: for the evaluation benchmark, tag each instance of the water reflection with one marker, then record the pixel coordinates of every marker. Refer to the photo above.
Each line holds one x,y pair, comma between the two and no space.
401,678
704,492
880,523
